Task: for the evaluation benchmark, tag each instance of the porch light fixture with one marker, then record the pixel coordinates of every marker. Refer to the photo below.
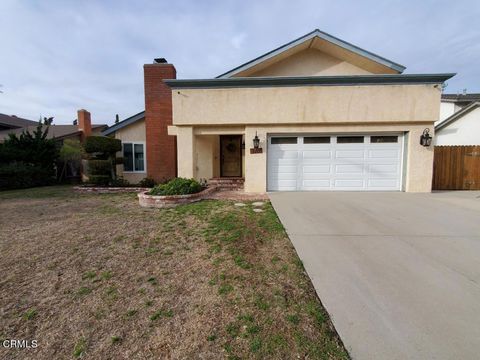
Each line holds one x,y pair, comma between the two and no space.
256,141
425,138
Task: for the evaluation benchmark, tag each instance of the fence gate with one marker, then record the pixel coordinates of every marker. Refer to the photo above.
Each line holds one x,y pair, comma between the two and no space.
456,168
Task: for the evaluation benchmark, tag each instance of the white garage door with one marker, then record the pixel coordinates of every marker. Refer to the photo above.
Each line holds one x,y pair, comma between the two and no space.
335,162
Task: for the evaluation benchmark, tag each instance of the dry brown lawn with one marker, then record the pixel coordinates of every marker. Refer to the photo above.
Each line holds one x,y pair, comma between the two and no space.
98,277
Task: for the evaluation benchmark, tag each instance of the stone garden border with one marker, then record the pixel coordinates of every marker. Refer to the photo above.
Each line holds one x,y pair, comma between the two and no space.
109,190
157,201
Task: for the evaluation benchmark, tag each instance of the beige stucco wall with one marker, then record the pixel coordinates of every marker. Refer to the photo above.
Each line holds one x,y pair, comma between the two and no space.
313,109
418,165
306,104
311,62
132,133
331,52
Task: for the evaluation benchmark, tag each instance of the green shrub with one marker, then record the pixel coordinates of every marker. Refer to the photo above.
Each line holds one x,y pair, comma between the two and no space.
177,186
102,180
120,182
147,182
99,167
102,144
28,159
19,175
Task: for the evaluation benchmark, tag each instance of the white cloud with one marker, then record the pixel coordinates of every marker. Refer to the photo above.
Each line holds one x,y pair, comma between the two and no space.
60,56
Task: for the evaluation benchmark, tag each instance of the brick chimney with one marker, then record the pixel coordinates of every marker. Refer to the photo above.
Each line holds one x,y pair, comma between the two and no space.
161,148
84,123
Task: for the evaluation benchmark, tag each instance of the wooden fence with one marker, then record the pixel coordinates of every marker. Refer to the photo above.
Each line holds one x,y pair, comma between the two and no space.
456,168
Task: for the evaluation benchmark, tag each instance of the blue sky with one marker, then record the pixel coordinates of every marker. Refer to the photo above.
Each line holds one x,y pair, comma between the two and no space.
60,56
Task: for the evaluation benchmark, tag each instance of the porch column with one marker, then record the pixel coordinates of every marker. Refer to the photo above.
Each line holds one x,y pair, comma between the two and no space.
185,152
255,164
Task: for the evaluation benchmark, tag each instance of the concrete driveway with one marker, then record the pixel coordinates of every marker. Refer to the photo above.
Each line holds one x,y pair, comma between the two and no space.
398,273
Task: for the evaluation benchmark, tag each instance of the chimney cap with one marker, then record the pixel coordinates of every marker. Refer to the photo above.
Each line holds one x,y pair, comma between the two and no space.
160,61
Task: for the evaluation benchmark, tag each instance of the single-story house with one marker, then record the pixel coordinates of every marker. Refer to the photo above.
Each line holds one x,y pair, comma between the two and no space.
317,113
8,122
459,122
131,132
82,127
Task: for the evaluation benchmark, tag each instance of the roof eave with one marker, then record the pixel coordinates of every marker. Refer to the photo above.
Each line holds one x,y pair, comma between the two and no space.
310,81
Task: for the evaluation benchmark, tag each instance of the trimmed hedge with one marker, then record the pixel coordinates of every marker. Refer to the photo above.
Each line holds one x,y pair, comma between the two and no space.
102,144
20,175
99,167
177,186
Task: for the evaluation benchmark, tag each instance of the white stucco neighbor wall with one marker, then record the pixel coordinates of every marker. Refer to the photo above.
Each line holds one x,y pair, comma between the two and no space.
464,131
447,109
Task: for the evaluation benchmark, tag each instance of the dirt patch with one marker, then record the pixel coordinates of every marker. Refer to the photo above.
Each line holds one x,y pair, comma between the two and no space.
97,276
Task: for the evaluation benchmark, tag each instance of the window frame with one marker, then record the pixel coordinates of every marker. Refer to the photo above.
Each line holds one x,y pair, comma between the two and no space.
133,143
284,137
328,137
384,142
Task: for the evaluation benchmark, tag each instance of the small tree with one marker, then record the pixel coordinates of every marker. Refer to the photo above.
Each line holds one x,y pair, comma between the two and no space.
70,157
28,159
101,151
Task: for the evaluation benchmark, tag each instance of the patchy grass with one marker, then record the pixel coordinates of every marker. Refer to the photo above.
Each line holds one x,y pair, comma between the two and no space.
80,348
97,276
30,314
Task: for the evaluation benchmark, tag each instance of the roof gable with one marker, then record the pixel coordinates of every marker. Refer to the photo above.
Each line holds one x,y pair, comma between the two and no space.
120,125
326,43
458,115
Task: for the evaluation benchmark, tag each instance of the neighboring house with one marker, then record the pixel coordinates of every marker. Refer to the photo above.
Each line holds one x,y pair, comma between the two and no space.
459,122
131,132
8,122
59,132
327,114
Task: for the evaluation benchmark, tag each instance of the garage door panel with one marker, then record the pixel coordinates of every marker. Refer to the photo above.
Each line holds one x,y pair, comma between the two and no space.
316,184
382,169
349,169
349,154
317,154
383,154
383,183
317,169
348,183
345,166
279,154
284,185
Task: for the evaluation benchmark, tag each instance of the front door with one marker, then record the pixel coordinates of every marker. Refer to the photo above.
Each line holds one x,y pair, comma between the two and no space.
231,155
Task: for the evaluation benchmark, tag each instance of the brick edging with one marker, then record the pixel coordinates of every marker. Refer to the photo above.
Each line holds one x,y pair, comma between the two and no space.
109,190
158,201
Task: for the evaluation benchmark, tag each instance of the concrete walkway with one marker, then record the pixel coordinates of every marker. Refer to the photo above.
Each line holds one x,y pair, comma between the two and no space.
398,273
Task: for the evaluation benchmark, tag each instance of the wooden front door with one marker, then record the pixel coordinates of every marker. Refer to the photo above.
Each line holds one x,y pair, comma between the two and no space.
231,155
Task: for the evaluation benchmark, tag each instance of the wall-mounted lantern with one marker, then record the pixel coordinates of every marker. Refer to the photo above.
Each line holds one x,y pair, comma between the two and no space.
256,145
256,141
425,138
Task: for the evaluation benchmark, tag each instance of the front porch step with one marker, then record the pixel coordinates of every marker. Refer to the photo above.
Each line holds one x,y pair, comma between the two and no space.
227,183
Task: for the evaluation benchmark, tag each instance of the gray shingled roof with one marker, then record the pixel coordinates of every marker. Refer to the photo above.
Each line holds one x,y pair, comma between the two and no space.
55,131
13,121
463,98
